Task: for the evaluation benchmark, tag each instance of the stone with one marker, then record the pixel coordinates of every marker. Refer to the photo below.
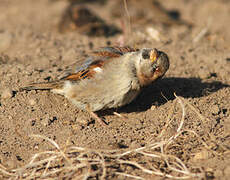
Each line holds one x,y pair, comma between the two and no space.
6,93
32,102
203,154
215,109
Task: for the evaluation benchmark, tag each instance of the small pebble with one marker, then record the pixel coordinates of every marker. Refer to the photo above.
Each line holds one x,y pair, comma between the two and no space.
153,33
203,73
7,94
215,109
82,120
204,154
153,107
76,127
32,102
36,147
45,121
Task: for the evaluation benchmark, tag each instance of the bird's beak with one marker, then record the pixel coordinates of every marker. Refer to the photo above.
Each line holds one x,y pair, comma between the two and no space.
154,55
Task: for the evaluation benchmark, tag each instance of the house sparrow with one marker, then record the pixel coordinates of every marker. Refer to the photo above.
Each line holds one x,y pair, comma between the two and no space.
110,78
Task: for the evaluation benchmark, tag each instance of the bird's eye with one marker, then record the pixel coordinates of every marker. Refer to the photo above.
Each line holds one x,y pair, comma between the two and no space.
145,54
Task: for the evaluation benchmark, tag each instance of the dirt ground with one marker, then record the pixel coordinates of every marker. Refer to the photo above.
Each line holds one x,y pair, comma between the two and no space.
32,50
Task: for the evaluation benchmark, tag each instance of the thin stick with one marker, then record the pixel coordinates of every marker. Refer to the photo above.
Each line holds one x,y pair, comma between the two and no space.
128,16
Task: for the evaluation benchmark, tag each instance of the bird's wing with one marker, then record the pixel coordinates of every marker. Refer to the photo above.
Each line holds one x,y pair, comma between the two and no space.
94,64
86,68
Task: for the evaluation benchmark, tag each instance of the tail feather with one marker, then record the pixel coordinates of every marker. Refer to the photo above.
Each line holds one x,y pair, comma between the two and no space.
43,86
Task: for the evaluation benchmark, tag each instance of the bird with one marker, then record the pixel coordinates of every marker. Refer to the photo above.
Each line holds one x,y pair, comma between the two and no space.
109,77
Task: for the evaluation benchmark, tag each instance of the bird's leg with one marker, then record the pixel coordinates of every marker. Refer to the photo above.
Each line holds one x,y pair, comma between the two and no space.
95,116
119,115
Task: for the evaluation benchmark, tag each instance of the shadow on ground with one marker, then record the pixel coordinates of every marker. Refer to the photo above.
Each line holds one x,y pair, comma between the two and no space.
163,90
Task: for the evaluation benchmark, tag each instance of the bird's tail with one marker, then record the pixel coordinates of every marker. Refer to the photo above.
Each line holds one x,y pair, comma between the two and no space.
43,86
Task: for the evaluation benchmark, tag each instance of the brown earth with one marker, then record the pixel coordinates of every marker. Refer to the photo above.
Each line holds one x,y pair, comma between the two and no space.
32,50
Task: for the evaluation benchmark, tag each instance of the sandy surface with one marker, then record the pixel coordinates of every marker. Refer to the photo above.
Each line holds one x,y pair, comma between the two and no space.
32,50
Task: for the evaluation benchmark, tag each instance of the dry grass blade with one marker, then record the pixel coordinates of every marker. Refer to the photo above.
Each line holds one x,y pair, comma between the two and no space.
128,16
54,144
4,171
130,176
81,163
168,119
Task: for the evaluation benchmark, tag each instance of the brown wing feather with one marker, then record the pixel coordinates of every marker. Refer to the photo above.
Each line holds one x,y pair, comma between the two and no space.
85,71
126,49
99,57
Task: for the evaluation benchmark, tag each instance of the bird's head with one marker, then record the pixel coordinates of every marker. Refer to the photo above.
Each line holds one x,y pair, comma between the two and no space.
151,65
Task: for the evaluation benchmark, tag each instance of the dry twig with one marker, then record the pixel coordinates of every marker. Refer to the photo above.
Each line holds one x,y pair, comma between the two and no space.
79,162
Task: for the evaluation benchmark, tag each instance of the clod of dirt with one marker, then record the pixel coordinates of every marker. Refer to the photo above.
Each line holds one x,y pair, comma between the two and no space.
153,107
45,121
204,154
203,73
82,121
32,102
215,109
6,94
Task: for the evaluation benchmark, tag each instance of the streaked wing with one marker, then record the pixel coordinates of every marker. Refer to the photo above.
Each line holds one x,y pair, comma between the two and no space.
86,72
96,61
